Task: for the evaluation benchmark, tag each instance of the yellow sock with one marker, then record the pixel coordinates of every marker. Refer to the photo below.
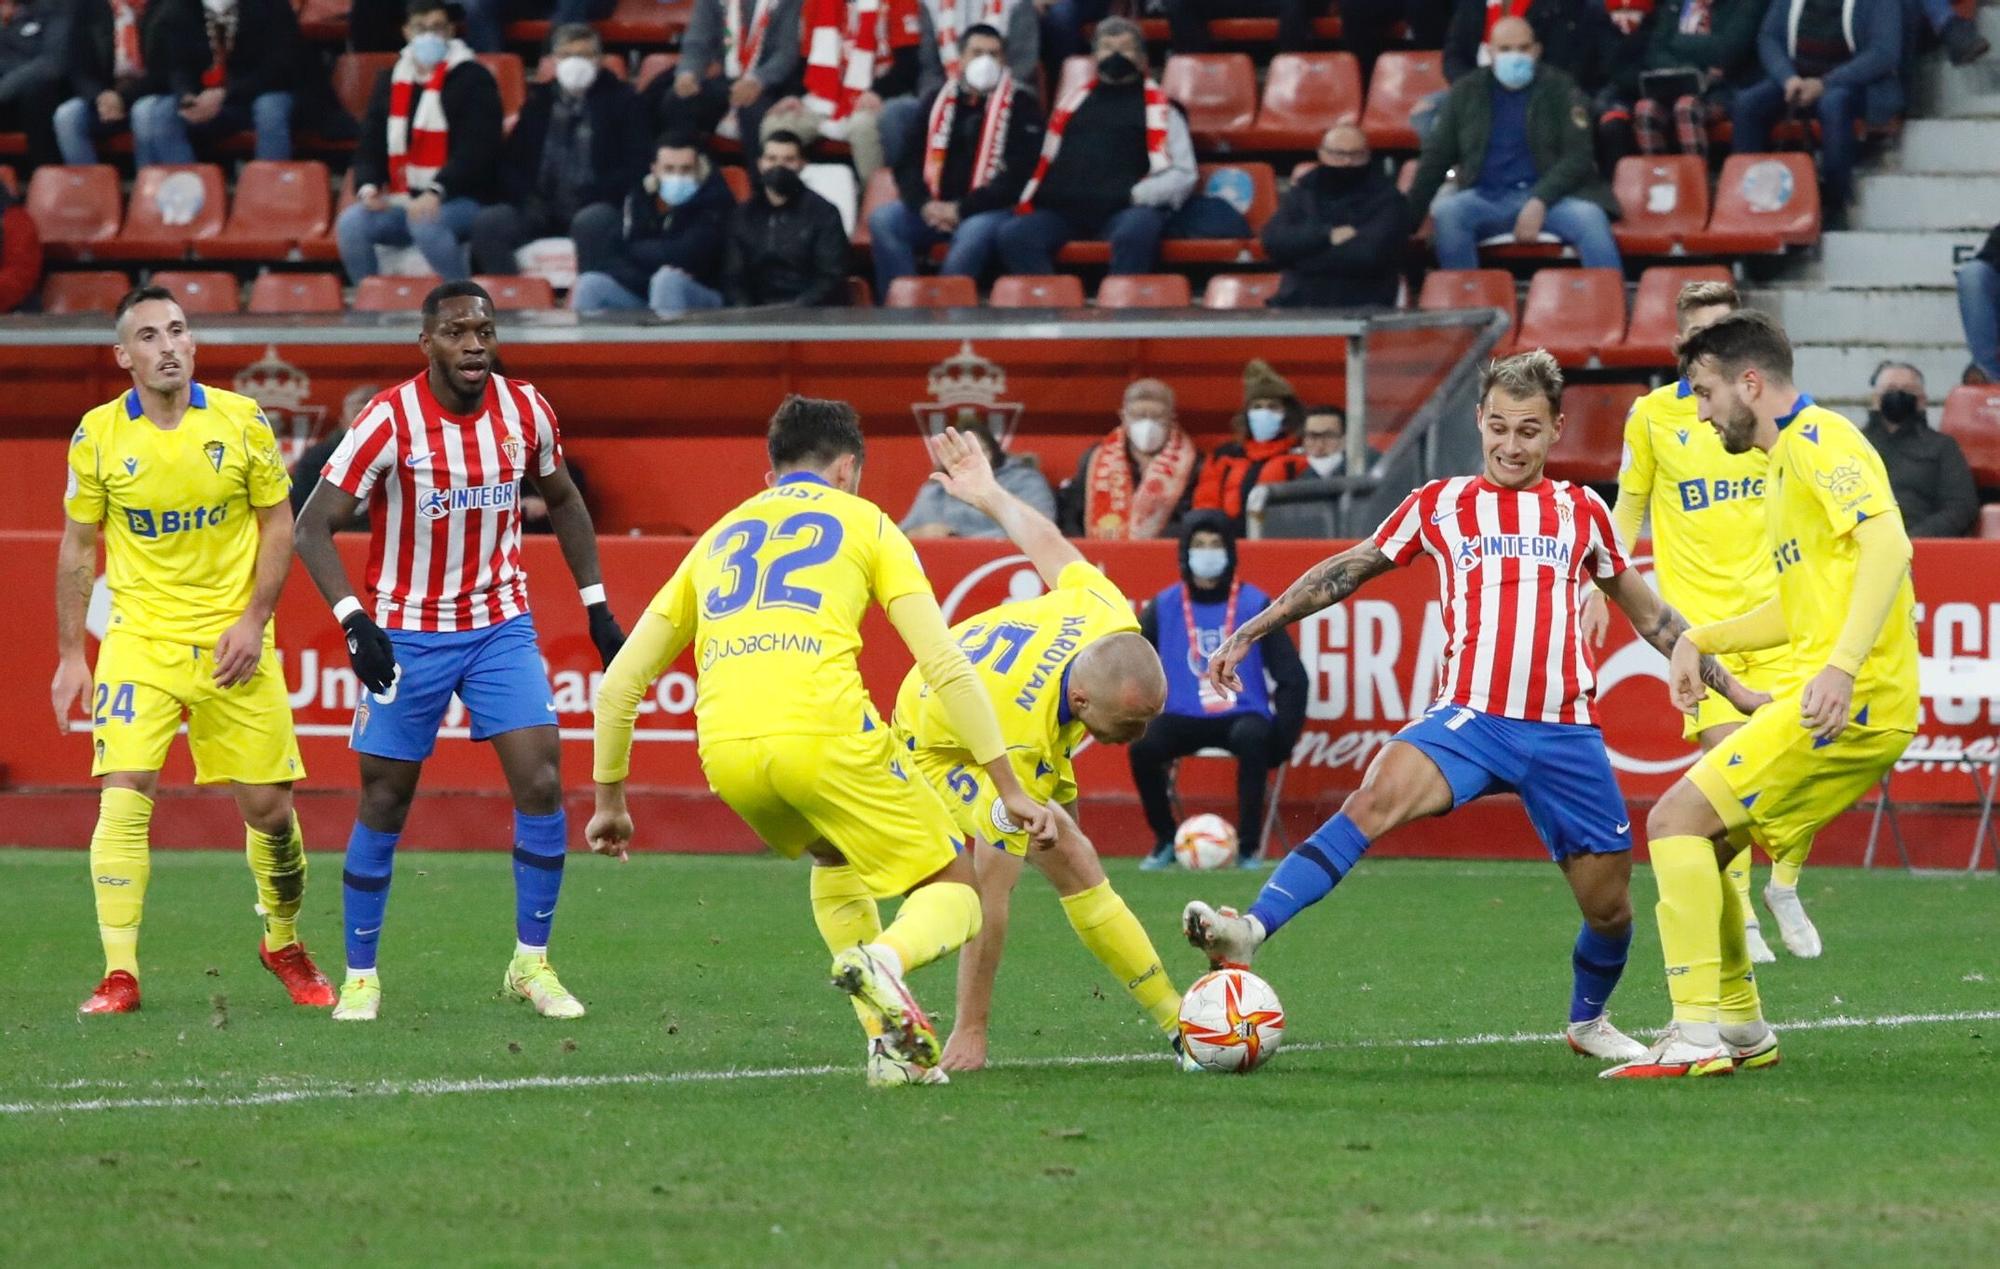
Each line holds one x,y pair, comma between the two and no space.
934,921
846,915
1737,996
1785,871
1739,881
278,862
1115,937
120,863
1690,918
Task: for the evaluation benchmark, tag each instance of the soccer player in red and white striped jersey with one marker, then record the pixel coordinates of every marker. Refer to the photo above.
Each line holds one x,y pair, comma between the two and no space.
1513,550
440,459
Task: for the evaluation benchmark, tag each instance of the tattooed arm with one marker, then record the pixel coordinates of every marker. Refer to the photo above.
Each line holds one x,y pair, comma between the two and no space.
1693,672
1321,586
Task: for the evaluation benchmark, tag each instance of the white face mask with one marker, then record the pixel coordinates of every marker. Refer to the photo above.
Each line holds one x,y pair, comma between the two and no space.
576,74
427,50
1207,563
1145,435
982,73
1324,465
219,7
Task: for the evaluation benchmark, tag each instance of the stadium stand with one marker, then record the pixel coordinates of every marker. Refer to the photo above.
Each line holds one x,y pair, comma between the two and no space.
1649,340
75,209
1972,418
278,293
1058,290
1471,288
384,293
1593,435
207,292
1219,93
939,292
519,294
1304,95
1401,80
1574,313
172,207
278,209
84,291
1240,290
1145,290
1662,200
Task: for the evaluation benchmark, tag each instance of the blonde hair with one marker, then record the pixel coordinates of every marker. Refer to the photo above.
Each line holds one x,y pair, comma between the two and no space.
1706,295
1148,390
1528,374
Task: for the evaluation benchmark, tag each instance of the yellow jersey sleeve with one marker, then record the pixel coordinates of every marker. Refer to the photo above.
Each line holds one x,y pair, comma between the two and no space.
270,484
1842,469
897,571
83,494
1635,475
675,600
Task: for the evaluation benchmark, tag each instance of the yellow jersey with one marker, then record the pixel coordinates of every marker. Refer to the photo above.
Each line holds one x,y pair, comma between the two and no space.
1825,479
1022,654
774,594
1706,503
178,508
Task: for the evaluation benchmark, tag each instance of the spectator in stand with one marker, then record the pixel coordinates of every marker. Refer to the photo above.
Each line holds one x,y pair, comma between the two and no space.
20,253
1697,55
429,154
579,145
220,67
665,251
1339,230
1831,60
1961,39
1979,306
1323,441
857,59
1265,450
1139,481
1117,162
34,63
1519,135
1187,622
757,44
1577,37
943,48
312,460
787,245
107,72
936,514
1927,470
486,20
983,134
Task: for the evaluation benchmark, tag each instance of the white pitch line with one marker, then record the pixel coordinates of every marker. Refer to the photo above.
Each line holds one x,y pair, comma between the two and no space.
342,1091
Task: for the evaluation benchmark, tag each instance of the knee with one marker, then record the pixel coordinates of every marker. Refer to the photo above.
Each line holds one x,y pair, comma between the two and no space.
271,816
74,113
1450,211
1371,809
541,792
384,807
884,223
599,220
351,224
1250,738
1610,914
272,110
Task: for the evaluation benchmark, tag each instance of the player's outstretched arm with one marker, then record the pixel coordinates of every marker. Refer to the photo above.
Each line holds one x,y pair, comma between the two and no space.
76,574
368,648
570,519
1692,671
652,647
968,477
241,646
1321,586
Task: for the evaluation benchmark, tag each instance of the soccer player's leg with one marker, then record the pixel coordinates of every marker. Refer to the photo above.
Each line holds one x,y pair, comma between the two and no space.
1106,926
1713,722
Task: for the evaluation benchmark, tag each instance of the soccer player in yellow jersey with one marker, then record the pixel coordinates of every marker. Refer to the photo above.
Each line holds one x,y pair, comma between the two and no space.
1707,507
771,598
1057,668
1845,707
184,485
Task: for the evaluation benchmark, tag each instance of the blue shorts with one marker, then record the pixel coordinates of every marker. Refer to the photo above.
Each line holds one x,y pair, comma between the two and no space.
1561,771
497,671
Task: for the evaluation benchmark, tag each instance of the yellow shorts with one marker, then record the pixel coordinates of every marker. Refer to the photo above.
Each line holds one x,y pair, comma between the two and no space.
145,686
1758,671
968,793
1771,781
848,790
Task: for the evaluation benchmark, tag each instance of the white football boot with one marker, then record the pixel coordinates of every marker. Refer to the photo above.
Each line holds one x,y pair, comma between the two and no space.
888,1070
899,1021
1676,1056
1597,1038
1760,951
1228,939
1752,1045
1794,926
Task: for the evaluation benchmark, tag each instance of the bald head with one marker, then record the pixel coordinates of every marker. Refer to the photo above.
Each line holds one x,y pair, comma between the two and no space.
1512,35
1116,686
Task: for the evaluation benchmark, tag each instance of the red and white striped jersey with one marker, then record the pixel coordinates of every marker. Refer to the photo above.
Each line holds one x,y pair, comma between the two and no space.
445,552
1511,567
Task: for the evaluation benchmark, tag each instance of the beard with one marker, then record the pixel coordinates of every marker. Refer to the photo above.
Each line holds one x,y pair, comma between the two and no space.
1739,429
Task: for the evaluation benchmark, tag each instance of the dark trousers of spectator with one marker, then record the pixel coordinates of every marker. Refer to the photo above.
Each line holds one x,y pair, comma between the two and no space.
1188,21
1028,244
702,112
502,229
486,20
1173,736
1758,109
32,111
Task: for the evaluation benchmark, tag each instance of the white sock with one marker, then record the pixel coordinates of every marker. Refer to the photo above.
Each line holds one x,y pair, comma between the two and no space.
887,955
1257,930
353,973
539,953
1705,1034
1743,1034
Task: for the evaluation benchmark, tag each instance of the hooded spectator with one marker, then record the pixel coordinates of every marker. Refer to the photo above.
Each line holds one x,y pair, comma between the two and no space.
1265,451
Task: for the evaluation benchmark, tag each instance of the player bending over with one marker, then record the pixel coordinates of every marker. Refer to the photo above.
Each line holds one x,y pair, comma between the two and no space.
1069,663
185,484
1846,706
772,598
1512,549
443,455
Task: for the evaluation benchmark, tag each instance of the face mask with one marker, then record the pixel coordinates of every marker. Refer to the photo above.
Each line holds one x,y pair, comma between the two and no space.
1514,69
1323,466
219,7
784,182
1341,180
1207,563
576,74
982,73
1265,423
427,50
1900,407
675,189
1145,435
1116,68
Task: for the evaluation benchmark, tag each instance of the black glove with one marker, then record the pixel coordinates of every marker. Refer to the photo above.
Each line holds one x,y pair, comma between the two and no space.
604,631
370,652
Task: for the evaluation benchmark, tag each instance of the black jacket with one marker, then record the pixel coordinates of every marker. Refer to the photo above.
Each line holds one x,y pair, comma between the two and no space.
690,237
472,116
92,61
1576,35
32,44
619,145
1990,251
1362,270
1018,153
795,254
265,57
1929,476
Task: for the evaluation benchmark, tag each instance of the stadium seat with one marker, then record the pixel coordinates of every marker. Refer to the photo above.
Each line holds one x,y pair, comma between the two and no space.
1304,95
1144,290
518,294
513,81
94,291
1055,290
277,207
9,181
738,181
645,22
385,294
1989,521
859,293
75,209
172,207
1219,93
943,292
1240,290
205,292
1763,203
1401,80
881,190
278,293
1593,436
1251,188
324,21
1473,288
1972,418
354,77
1662,200
1574,313
653,66
1649,340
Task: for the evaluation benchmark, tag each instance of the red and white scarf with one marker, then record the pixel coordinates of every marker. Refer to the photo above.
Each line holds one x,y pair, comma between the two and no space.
1496,11
739,51
128,61
1112,508
1156,136
842,39
947,24
418,132
992,134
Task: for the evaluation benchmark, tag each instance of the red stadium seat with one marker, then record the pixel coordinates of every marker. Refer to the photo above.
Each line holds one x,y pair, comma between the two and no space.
1649,341
354,78
653,66
1401,80
75,209
1593,435
8,181
943,292
646,21
512,294
1663,200
384,294
1304,95
324,21
859,293
738,181
277,207
513,81
1055,290
1219,93
880,192
1574,313
295,293
173,206
1144,290
1240,290
1989,521
96,291
1473,288
1972,418
205,292
1251,188
1763,203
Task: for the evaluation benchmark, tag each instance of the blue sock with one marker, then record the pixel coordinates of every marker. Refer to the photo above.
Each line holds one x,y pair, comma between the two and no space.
364,888
539,844
1598,962
1309,873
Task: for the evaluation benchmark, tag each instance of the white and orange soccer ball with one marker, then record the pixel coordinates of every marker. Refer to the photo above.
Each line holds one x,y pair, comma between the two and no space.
1231,1021
1205,842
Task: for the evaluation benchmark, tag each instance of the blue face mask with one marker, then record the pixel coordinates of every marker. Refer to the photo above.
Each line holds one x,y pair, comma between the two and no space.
428,49
1514,70
1207,563
677,189
1265,423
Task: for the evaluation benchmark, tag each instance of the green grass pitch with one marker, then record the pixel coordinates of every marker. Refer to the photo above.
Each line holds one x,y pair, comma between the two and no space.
711,1109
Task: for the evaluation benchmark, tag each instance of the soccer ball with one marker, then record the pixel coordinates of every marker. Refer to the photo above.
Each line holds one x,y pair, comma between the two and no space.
1204,842
1231,1021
